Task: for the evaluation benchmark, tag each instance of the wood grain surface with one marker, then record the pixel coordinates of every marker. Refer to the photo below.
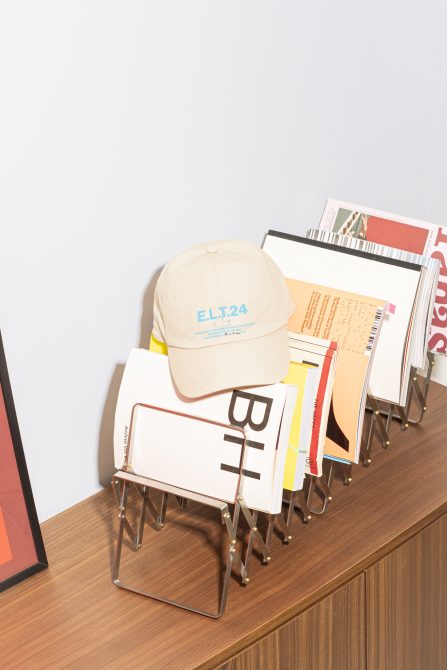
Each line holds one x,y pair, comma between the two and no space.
328,636
71,616
407,604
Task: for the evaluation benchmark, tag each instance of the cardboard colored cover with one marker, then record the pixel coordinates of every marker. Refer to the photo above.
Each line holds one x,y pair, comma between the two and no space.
354,322
397,282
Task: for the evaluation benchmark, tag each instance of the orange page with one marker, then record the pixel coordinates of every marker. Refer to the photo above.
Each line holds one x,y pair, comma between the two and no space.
353,321
5,548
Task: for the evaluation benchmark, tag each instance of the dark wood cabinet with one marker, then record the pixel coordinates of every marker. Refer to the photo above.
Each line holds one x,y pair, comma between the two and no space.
393,616
406,604
362,587
328,636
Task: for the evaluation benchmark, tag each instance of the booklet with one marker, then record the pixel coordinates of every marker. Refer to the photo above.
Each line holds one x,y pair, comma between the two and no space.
202,456
305,377
322,356
354,322
394,281
400,232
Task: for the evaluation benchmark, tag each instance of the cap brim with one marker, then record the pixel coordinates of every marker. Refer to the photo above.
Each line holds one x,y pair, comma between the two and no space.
255,362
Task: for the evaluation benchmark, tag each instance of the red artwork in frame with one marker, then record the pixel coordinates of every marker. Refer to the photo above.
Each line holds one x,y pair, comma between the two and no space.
22,552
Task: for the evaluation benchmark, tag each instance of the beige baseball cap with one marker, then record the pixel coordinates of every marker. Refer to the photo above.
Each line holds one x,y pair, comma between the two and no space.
222,309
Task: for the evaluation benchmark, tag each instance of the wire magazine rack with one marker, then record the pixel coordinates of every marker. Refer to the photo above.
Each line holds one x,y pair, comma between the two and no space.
239,553
125,478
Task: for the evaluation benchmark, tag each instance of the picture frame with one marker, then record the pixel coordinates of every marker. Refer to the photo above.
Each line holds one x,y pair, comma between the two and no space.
22,552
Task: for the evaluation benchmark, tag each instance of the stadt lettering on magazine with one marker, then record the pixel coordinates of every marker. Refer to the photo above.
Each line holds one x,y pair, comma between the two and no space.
438,340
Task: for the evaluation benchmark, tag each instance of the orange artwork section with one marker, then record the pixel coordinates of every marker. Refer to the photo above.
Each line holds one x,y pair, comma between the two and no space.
5,548
17,549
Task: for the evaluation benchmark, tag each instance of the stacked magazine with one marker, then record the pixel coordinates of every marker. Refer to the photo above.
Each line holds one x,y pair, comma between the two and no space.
426,296
285,428
321,355
397,283
369,292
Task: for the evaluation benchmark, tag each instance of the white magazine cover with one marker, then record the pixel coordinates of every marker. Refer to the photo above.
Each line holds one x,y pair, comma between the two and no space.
395,281
196,455
401,232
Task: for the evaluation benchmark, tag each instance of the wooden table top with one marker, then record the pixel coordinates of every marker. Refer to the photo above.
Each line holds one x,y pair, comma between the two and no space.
72,616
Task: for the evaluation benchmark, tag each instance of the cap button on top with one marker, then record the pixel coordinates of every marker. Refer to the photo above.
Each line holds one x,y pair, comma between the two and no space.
210,249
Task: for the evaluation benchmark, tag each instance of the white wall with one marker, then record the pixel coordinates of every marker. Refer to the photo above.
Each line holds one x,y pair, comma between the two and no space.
131,130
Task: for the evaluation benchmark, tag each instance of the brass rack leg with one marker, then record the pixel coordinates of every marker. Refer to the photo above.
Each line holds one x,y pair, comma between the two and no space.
146,504
330,477
420,394
302,503
269,534
324,489
119,543
293,500
225,585
254,536
377,426
379,423
249,549
366,454
347,474
410,392
296,500
252,523
181,502
415,392
139,538
403,417
232,526
291,503
161,520
285,527
389,418
117,490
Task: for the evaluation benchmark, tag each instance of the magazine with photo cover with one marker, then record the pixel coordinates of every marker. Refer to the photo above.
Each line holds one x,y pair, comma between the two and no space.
400,232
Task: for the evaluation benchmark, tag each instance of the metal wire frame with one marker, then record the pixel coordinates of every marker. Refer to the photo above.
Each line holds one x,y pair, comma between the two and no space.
124,479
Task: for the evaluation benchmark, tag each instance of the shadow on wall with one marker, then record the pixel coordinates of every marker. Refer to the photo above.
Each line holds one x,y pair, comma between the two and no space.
106,466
